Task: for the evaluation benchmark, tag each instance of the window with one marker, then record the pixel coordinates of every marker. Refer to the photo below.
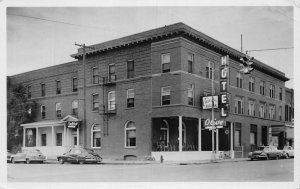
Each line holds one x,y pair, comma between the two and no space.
165,62
43,111
209,70
28,91
237,134
112,73
262,88
111,101
96,136
43,89
253,134
239,105
190,63
272,91
95,75
164,133
130,134
58,87
251,108
44,139
251,84
280,113
30,139
130,68
75,107
262,110
95,102
58,139
272,111
75,84
280,94
130,98
191,94
58,109
239,80
165,96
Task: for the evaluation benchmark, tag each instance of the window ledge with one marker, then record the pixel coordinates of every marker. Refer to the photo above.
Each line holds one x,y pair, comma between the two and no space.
96,148
130,147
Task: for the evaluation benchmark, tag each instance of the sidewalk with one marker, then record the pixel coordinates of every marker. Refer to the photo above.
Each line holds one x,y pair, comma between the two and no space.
141,162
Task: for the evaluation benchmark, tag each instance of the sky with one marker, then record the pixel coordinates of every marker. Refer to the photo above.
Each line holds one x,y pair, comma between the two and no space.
41,37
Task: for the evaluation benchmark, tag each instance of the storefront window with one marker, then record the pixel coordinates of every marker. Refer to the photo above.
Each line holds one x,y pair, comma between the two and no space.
237,134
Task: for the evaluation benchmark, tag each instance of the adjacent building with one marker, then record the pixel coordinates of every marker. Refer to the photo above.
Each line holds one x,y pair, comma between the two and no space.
142,97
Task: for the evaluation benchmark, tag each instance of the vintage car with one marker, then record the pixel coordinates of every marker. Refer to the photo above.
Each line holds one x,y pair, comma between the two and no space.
266,152
288,151
28,156
8,157
79,155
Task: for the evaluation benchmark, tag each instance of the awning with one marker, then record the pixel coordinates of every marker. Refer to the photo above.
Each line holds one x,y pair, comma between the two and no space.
50,123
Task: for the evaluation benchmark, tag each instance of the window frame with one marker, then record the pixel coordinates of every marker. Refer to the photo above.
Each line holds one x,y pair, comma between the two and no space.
58,87
239,80
43,89
59,143
42,141
128,98
110,74
109,100
236,104
190,63
272,111
163,130
76,109
191,89
130,72
29,92
262,114
58,110
237,127
92,135
43,116
95,75
74,84
209,69
272,91
95,101
262,87
253,129
125,134
164,63
162,92
251,102
251,84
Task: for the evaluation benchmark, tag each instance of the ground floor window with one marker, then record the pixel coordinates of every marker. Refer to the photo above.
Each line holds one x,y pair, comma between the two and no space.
253,134
96,136
237,134
30,140
58,139
130,134
44,139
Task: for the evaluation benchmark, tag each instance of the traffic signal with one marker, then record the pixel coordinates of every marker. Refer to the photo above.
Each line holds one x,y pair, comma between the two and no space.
247,64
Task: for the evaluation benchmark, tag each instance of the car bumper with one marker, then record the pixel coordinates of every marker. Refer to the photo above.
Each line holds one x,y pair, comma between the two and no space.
258,157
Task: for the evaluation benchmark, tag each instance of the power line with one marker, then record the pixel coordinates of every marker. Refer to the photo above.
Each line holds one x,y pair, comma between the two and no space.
284,48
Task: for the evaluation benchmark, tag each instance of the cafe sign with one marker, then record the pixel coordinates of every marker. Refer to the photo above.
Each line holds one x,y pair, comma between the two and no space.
72,124
213,124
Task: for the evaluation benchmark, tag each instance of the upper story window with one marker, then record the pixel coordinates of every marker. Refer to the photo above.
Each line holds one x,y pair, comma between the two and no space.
165,95
130,134
43,111
280,94
262,88
190,62
288,112
280,113
239,80
251,84
272,91
262,109
239,105
166,62
130,69
209,70
95,75
28,91
74,84
191,94
112,101
42,89
75,107
251,108
96,136
272,110
58,109
58,87
112,73
95,102
130,98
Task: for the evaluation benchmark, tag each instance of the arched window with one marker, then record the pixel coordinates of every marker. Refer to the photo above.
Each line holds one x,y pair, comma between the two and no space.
75,107
95,136
164,133
58,109
130,134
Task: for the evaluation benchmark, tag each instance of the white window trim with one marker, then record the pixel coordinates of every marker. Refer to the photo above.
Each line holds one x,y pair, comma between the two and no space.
73,84
161,95
193,93
42,111
108,100
56,109
93,100
92,135
161,61
93,68
125,130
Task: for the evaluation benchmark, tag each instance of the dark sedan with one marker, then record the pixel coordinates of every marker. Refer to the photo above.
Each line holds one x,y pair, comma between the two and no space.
79,155
266,152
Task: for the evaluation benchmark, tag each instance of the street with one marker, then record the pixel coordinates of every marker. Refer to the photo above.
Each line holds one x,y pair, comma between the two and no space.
244,171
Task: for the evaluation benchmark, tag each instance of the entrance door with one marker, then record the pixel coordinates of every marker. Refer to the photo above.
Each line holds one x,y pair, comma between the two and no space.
74,140
264,135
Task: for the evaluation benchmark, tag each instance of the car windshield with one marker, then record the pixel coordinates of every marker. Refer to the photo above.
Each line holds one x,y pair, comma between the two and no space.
260,148
89,150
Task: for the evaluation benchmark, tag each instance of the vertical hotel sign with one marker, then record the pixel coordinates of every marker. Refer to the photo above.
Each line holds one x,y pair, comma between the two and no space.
224,71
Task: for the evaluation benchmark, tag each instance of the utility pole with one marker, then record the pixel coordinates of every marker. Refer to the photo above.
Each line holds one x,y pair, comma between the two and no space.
212,113
84,90
242,43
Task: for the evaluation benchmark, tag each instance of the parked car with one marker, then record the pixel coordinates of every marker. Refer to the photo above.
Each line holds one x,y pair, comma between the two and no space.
9,157
79,155
266,152
288,151
28,156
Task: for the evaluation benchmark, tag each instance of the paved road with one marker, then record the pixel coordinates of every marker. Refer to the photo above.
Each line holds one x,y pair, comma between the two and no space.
272,170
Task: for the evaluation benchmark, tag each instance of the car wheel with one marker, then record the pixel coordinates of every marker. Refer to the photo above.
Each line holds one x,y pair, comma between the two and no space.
277,157
81,162
13,160
61,160
287,156
251,159
267,158
27,161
